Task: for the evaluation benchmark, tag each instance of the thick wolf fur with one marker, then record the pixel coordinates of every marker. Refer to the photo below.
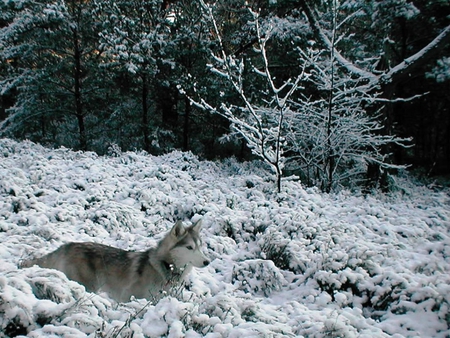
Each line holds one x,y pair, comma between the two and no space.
123,274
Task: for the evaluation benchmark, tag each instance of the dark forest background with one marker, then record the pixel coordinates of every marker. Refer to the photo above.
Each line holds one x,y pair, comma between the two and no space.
99,75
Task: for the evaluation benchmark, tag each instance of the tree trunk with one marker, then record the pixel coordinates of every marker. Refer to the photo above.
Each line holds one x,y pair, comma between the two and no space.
77,92
145,132
167,103
187,115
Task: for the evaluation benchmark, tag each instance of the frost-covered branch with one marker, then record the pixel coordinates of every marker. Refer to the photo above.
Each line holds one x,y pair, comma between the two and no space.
419,58
318,31
393,74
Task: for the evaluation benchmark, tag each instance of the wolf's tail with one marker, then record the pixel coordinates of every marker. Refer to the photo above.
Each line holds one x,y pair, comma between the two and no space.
28,263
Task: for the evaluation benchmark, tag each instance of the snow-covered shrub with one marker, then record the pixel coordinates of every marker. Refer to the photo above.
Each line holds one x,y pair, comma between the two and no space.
50,285
121,218
114,150
348,282
276,250
338,328
34,297
170,317
257,276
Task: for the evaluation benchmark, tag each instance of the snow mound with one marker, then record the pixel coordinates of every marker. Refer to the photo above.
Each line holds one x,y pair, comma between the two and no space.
293,264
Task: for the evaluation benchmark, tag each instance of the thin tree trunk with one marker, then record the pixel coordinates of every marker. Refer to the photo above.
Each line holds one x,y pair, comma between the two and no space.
330,152
187,115
77,92
145,132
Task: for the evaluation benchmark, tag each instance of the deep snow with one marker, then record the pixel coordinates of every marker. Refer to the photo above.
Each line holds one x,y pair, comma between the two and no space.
298,263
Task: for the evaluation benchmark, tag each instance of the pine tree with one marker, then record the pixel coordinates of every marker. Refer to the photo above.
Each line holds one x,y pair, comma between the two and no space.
53,59
135,36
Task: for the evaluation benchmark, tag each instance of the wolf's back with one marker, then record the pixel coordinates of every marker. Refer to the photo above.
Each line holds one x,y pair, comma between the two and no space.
48,261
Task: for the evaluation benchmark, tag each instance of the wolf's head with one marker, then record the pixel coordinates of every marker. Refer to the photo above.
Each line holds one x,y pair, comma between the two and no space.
186,246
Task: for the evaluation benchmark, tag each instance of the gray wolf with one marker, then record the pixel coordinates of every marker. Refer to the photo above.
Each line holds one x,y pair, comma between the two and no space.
123,274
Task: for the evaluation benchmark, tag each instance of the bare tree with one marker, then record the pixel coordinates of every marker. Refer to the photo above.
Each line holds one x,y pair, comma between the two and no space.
260,124
333,139
385,78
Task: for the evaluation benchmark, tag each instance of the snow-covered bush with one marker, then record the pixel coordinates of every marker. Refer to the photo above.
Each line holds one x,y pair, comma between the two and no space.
257,276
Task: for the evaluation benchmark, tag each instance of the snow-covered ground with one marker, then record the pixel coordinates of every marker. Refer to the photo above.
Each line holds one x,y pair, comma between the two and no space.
295,264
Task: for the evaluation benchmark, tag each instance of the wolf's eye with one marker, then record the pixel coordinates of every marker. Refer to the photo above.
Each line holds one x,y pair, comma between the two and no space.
189,247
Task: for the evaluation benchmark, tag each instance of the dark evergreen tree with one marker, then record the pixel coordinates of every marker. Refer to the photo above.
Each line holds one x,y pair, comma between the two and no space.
54,64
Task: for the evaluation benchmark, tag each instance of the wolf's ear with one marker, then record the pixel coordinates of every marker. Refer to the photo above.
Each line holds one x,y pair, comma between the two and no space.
197,226
178,230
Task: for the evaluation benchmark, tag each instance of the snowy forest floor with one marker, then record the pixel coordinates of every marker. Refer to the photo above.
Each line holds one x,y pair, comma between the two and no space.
293,264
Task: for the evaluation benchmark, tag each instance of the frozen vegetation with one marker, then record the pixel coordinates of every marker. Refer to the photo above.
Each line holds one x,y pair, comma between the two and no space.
293,264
